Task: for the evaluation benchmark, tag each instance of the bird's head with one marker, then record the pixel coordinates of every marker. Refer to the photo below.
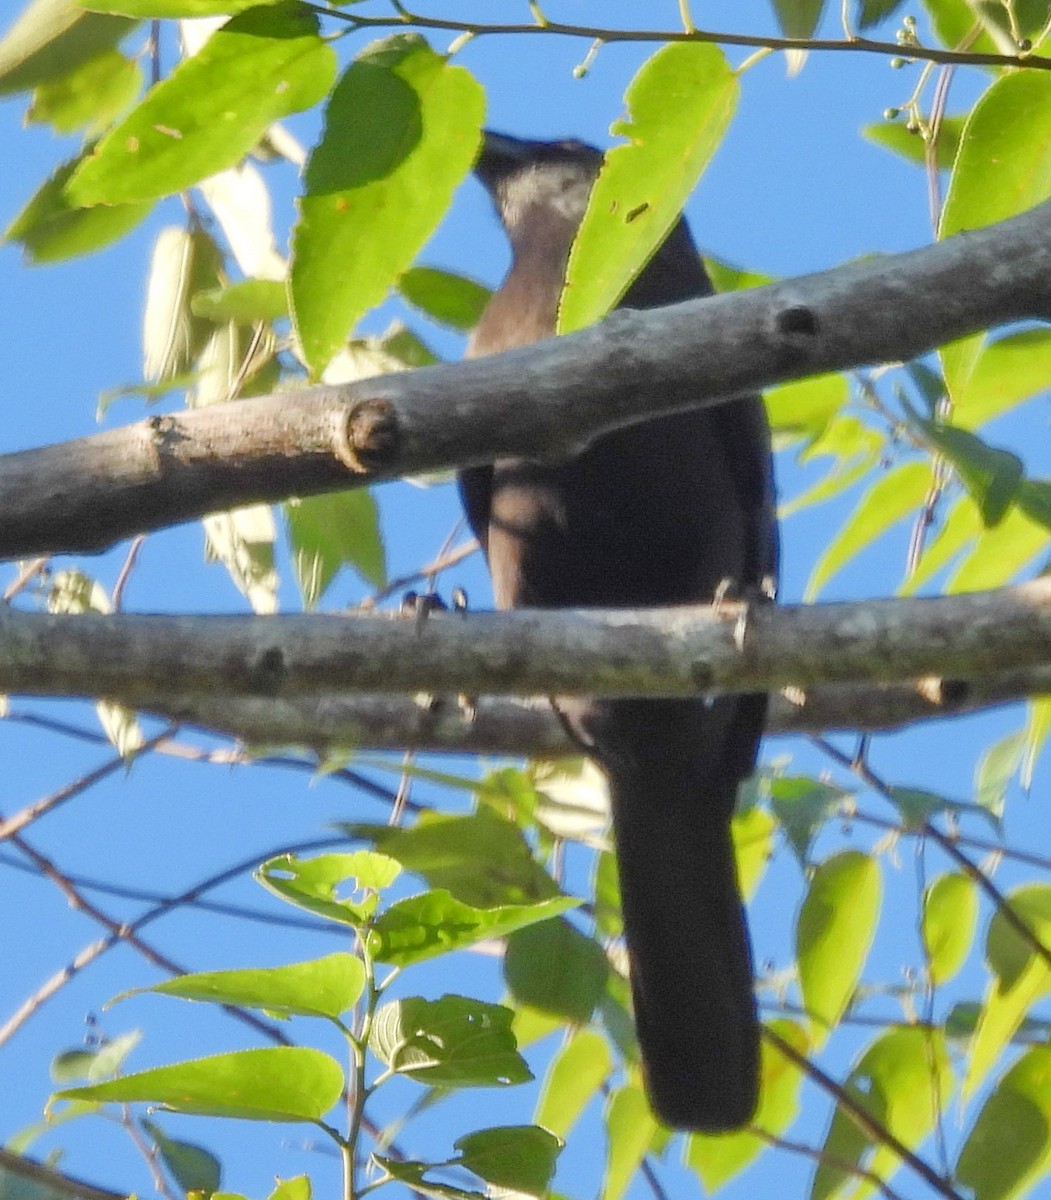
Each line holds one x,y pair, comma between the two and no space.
524,176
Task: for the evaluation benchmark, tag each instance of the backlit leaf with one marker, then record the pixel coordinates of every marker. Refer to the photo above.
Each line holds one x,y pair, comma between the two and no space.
402,129
453,1041
210,111
285,1083
834,933
947,924
678,107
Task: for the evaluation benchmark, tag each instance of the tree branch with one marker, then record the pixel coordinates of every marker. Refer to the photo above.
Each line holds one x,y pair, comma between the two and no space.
545,400
854,45
650,652
529,728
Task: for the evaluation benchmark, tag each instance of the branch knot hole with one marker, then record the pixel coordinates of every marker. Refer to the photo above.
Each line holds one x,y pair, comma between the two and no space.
374,435
797,321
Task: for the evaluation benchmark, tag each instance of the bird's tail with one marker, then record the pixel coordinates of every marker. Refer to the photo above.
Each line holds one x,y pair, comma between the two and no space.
673,794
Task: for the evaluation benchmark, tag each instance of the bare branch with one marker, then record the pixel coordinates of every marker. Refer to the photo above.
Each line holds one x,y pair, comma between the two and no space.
545,400
686,651
529,728
853,44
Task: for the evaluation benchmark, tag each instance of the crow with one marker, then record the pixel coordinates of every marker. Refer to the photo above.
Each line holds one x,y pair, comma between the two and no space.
673,510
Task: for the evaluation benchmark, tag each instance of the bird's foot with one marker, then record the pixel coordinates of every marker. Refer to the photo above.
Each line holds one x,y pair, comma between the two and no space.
420,606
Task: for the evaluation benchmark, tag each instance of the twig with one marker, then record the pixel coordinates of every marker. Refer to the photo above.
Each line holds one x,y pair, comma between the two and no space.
864,1120
949,846
822,1156
31,812
120,932
542,24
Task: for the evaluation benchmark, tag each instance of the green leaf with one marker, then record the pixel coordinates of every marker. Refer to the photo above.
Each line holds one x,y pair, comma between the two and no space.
557,969
407,347
798,18
917,806
249,302
262,65
90,96
192,1167
296,1188
947,924
519,1157
451,299
321,987
1022,977
805,408
896,494
574,1076
955,22
991,476
728,277
313,884
483,859
999,554
958,530
1034,499
896,137
958,361
451,1042
174,8
51,39
95,1064
855,450
834,933
402,129
802,806
434,923
871,12
997,767
630,1130
1009,1148
1004,164
718,1158
1006,371
286,1083
49,228
903,1081
328,532
678,107
753,836
414,1173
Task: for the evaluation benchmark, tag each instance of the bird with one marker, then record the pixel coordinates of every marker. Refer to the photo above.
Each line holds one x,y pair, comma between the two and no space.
672,510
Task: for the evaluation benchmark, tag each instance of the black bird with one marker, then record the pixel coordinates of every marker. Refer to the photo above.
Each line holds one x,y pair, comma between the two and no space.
662,512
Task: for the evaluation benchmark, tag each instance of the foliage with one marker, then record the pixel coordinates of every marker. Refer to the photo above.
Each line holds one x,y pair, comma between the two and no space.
939,1075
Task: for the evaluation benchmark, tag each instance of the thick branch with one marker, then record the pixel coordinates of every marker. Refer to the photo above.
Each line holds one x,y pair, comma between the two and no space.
531,729
659,652
545,400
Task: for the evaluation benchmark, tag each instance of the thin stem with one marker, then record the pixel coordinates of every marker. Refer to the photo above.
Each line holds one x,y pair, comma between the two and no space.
542,24
117,595
868,1125
31,569
822,1156
25,816
685,17
864,772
